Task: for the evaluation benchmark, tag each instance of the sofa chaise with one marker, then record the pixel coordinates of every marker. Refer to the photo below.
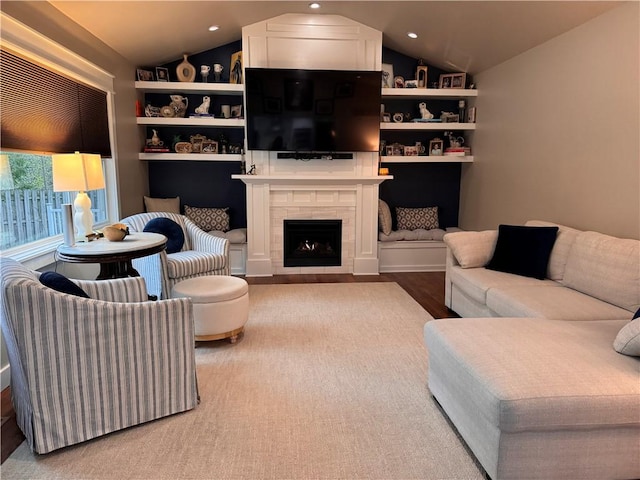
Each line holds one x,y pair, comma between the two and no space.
538,390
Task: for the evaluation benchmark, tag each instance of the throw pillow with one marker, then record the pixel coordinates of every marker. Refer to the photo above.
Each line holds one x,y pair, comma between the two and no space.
636,315
168,228
627,341
171,205
414,218
523,250
62,284
384,217
472,249
208,218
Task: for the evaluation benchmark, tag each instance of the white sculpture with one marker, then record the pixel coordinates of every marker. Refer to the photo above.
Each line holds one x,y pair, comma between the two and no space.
424,113
203,109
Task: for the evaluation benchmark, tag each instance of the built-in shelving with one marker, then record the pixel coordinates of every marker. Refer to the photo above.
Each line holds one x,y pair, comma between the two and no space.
426,159
194,157
185,87
427,126
192,122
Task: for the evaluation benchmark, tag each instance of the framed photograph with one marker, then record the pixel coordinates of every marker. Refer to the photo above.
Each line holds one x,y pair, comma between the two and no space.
235,73
436,147
453,80
451,118
471,115
209,146
386,117
410,151
196,143
236,111
162,74
387,75
145,75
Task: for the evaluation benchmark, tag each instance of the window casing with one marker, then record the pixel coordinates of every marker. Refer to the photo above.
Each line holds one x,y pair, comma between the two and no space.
32,46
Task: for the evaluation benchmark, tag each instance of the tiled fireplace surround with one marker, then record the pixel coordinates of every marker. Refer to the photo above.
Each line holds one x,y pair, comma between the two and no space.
344,190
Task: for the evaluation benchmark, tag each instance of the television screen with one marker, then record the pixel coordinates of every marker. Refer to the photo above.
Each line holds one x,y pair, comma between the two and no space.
312,110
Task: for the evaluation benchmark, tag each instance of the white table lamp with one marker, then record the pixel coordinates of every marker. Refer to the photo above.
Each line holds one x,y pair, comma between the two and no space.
79,172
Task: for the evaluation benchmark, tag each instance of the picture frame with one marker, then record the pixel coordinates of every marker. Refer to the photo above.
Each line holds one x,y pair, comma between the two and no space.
196,142
235,70
451,118
209,146
453,80
410,151
471,115
436,147
145,75
162,74
387,75
236,111
386,117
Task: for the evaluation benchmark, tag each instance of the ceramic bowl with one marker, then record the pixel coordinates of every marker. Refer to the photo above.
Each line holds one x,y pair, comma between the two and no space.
114,234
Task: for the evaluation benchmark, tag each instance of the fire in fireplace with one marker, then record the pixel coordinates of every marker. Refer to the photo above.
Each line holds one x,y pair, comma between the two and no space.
312,243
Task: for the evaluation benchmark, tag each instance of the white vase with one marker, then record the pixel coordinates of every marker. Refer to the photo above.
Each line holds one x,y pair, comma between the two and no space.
185,71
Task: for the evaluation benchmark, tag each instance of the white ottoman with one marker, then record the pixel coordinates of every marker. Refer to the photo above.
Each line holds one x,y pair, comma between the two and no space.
220,305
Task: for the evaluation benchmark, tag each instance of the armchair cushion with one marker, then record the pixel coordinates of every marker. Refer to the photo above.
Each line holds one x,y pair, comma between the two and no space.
190,263
62,284
168,228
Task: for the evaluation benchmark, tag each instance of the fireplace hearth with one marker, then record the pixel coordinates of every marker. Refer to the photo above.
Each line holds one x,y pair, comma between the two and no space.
312,243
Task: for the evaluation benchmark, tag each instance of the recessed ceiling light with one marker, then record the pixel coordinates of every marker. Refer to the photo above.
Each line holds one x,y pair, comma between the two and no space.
314,5
412,35
213,28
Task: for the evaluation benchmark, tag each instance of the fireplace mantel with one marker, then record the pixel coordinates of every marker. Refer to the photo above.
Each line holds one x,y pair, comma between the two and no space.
312,179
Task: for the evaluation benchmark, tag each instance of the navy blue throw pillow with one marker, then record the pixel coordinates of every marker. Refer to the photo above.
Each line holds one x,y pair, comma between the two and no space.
523,250
636,315
168,228
62,284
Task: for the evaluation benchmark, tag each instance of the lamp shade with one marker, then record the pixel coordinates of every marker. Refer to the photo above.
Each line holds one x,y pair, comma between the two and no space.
77,172
6,177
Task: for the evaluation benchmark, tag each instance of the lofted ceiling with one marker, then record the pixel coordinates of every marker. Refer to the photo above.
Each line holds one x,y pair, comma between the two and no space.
469,36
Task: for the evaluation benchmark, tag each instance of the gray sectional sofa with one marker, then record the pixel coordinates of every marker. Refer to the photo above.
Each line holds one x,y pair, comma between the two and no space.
538,390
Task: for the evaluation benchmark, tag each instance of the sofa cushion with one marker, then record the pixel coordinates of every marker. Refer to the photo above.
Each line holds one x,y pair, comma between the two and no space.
605,267
560,251
475,282
236,235
550,302
60,283
384,217
414,218
533,374
472,249
168,228
523,250
627,341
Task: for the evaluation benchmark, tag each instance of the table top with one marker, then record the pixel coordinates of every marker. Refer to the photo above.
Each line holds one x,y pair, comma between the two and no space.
131,244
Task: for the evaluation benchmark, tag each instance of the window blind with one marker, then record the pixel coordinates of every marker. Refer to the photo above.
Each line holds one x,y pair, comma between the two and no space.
41,110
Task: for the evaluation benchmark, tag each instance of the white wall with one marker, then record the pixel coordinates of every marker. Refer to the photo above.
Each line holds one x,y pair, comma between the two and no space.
558,133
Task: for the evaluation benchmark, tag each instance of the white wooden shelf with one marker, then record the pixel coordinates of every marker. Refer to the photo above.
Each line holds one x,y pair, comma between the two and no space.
190,87
195,157
312,179
427,159
191,121
427,126
441,93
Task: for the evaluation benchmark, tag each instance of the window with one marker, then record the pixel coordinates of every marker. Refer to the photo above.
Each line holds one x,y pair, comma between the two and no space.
30,215
29,208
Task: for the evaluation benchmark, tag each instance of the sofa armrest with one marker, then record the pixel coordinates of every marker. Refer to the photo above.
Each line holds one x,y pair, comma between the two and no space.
471,249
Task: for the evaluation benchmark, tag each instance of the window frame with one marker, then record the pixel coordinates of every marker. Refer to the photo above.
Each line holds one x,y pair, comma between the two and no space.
35,47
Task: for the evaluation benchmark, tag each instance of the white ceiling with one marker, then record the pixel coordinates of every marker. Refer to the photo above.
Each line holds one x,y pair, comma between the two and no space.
469,36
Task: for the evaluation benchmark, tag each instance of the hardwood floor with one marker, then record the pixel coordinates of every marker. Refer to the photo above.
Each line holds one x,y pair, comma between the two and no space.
426,288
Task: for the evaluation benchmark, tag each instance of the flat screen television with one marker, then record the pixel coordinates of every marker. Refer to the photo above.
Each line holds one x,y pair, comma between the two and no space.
313,110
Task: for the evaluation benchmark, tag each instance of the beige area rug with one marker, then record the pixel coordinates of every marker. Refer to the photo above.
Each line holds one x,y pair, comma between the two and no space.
328,382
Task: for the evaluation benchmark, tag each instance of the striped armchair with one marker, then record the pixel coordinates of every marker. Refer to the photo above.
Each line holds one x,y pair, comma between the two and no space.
202,254
85,367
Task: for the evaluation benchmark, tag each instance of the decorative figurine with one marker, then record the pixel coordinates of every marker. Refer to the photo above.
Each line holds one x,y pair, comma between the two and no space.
203,109
424,113
179,104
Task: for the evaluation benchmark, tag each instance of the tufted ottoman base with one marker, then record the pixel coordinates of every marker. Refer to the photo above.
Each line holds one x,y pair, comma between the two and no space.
220,305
